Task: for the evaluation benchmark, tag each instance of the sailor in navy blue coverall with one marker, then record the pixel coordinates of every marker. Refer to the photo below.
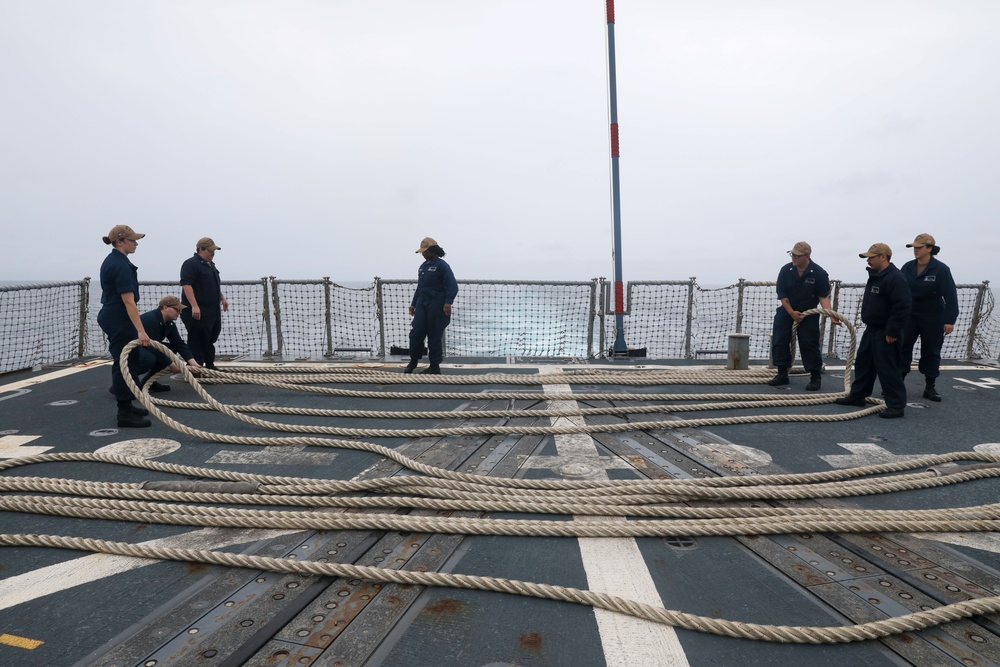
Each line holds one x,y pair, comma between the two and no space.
935,309
202,294
431,307
119,318
884,309
161,326
802,284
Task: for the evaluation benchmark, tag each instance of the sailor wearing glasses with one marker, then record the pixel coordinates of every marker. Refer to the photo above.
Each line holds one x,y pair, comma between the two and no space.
161,326
935,309
884,310
802,285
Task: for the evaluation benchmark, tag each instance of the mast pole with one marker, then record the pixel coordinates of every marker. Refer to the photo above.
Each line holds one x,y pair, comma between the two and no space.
620,348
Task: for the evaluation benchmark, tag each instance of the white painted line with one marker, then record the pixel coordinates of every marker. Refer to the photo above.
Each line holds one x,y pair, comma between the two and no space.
84,570
54,375
615,566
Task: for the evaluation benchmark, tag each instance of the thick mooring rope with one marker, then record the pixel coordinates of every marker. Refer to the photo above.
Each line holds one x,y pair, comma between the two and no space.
645,507
754,631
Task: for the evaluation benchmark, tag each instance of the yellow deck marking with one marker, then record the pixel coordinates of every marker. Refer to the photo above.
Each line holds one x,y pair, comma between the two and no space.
19,642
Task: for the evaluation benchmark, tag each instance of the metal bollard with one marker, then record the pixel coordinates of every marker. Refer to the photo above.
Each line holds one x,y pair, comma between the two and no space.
739,352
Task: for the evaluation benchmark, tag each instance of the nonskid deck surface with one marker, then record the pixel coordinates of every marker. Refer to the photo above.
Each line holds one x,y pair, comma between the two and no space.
60,607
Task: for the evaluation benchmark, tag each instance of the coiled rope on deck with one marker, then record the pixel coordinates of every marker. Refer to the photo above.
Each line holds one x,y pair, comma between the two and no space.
446,490
754,631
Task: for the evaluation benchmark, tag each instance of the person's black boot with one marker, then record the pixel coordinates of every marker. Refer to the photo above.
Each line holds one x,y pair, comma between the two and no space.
137,410
127,418
781,378
850,400
156,387
410,366
433,369
815,381
930,392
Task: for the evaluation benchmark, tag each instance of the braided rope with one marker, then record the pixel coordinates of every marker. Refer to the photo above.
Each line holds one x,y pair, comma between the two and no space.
753,631
443,490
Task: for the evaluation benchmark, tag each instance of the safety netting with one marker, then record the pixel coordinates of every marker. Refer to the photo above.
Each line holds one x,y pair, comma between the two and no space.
503,318
322,319
245,326
316,319
657,314
41,323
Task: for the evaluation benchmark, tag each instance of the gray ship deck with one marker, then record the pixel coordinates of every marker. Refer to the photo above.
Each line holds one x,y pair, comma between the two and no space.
66,608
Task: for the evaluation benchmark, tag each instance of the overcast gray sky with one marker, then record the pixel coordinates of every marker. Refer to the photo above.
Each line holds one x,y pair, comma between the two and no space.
326,138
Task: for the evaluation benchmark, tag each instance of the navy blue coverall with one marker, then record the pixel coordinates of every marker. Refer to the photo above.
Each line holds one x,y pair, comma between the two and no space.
118,276
153,361
436,286
884,310
935,304
803,293
204,280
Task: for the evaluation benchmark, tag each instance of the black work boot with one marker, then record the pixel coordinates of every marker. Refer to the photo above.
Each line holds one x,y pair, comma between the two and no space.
892,413
127,418
930,393
129,406
410,366
781,378
815,381
850,400
433,369
154,388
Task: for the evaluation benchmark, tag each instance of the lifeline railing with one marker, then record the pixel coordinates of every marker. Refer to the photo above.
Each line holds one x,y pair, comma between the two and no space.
319,319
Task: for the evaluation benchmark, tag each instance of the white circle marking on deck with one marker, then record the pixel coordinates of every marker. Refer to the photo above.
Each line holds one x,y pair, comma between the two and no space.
146,448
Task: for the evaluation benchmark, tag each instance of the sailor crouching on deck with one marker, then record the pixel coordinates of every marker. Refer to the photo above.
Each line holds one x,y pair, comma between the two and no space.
802,284
431,307
884,310
161,326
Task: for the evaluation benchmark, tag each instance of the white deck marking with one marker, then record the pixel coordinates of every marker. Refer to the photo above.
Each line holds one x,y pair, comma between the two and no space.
84,570
982,383
143,448
12,446
582,464
865,454
616,566
274,455
54,375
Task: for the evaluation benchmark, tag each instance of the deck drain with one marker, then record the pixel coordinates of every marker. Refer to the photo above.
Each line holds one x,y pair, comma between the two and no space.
680,542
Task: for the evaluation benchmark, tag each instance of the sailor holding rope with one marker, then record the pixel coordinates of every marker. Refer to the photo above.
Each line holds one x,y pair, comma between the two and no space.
802,284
